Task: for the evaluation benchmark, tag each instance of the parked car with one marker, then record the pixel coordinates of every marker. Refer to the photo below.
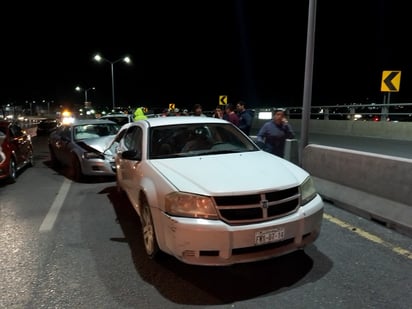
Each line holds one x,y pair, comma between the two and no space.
80,145
46,126
121,119
16,150
207,195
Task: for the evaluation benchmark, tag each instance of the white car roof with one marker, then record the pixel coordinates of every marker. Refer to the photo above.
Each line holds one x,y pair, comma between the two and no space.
171,120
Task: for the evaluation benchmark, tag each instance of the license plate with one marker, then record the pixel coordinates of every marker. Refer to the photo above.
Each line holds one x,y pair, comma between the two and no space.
264,237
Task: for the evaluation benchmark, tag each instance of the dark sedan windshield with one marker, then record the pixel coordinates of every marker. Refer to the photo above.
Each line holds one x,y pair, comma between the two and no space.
87,131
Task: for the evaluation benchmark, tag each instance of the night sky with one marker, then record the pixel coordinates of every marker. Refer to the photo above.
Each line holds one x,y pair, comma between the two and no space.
188,52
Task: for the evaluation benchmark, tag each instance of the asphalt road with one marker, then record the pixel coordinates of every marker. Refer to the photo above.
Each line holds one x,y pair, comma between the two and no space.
91,255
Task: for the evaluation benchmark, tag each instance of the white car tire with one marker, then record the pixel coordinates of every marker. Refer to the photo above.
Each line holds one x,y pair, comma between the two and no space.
148,230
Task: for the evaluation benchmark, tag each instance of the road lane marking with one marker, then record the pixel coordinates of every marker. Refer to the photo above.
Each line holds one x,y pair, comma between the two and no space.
371,237
54,210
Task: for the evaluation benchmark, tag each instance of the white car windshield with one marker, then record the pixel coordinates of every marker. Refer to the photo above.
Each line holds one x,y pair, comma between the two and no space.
195,139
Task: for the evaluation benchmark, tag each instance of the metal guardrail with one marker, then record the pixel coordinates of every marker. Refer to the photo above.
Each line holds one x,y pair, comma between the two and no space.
373,111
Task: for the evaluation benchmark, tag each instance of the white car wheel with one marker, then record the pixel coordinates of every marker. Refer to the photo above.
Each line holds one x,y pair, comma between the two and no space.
149,235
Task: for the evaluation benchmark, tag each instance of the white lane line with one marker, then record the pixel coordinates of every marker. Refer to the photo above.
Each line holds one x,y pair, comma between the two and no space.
51,216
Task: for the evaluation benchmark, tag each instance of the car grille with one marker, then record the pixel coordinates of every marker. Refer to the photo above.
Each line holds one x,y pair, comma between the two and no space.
252,208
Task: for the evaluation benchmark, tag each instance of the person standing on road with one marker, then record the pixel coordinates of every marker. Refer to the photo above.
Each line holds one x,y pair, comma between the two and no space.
218,113
245,117
230,115
198,111
273,134
139,114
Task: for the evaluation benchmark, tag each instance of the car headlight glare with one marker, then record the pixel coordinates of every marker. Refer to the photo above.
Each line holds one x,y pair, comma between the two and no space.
190,205
307,190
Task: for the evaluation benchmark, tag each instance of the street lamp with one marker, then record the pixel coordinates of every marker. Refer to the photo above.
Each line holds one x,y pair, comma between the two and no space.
78,88
99,58
31,107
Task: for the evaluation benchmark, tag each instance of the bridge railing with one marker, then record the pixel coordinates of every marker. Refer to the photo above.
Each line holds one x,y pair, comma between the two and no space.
368,112
368,120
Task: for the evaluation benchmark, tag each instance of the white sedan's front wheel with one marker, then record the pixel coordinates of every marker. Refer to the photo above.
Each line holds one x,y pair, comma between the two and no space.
149,235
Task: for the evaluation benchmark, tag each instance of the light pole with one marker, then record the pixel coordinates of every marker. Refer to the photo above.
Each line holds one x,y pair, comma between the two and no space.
31,107
125,59
78,88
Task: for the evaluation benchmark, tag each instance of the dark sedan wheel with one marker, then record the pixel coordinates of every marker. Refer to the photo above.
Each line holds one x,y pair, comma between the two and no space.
76,169
53,158
149,235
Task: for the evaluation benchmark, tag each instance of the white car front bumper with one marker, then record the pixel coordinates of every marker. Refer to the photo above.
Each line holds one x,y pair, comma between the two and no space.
214,242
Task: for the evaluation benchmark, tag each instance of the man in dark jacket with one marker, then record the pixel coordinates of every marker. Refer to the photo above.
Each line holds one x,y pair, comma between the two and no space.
273,134
245,117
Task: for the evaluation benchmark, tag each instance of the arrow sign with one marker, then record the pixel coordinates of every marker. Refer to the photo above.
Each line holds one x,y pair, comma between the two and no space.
390,81
223,100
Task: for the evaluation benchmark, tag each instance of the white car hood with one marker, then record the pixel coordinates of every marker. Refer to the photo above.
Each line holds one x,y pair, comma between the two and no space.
220,174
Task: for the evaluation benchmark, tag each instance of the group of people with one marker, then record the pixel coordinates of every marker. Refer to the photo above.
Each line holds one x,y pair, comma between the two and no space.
273,134
239,115
271,137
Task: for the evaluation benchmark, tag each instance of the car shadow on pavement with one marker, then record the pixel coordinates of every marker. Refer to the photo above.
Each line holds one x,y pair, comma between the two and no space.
68,173
214,285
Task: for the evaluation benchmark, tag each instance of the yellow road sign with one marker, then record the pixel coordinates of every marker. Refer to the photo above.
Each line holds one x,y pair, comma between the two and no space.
223,100
391,81
171,106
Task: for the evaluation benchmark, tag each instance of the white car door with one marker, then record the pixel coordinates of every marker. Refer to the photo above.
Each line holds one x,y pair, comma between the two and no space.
127,167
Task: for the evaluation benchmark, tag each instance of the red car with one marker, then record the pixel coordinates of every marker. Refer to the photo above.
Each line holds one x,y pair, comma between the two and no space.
16,150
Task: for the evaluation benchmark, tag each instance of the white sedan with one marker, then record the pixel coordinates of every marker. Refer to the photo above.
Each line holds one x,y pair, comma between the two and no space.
208,195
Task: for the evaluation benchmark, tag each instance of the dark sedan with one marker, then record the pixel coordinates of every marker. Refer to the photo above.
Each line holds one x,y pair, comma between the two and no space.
46,126
82,146
16,150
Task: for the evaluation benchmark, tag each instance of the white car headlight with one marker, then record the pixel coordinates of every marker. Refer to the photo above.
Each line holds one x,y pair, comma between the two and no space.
307,191
190,205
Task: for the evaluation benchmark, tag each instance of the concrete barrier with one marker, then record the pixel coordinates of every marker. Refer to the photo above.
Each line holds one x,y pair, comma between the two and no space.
375,186
292,151
378,129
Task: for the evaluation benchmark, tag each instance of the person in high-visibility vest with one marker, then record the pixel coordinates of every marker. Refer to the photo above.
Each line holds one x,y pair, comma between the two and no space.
139,114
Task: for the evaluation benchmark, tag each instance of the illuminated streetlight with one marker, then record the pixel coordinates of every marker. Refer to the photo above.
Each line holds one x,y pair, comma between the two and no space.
78,88
99,58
